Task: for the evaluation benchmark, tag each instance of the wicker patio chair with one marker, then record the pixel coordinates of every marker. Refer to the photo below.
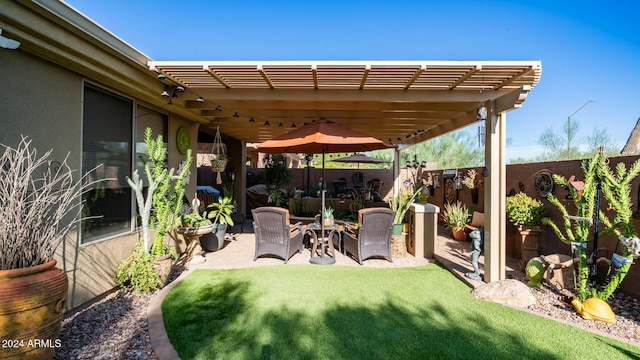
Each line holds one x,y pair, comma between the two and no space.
372,238
274,235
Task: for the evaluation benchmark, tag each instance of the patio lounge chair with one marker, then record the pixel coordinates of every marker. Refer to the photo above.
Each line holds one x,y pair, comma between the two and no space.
274,235
372,238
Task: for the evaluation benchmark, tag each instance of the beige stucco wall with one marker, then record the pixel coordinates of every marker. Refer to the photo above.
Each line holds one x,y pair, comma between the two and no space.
44,101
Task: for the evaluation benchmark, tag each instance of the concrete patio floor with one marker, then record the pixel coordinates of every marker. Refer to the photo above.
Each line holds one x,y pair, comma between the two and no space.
239,249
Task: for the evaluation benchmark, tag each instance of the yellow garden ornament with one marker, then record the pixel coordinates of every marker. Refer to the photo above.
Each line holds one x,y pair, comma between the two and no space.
594,309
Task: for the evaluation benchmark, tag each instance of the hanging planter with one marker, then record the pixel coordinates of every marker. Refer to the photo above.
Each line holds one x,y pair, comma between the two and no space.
219,159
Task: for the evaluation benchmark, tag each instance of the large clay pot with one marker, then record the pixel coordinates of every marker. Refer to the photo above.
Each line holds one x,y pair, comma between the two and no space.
162,265
459,233
31,308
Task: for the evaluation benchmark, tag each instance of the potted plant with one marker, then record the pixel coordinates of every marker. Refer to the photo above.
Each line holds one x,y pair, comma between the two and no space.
470,182
148,267
455,217
219,163
526,213
523,210
327,216
194,220
220,216
400,204
40,206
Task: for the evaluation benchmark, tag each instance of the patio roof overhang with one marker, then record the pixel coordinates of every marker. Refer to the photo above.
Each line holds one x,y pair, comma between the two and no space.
401,101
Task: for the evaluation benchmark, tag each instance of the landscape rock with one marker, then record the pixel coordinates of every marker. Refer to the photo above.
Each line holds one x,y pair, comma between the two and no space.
509,292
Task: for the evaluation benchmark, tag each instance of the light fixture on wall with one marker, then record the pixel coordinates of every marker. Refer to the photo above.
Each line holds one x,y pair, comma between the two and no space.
236,115
180,88
252,120
200,99
164,94
219,108
161,77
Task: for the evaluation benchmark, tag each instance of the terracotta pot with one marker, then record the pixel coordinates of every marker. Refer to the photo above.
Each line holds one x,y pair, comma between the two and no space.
31,308
458,233
162,265
328,221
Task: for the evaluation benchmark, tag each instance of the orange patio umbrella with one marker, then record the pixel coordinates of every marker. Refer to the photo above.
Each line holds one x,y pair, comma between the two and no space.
321,137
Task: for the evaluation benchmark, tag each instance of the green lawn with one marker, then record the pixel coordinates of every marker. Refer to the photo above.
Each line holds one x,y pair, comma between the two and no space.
332,312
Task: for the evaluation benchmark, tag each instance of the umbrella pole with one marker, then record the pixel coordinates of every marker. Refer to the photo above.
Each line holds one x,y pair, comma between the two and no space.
322,259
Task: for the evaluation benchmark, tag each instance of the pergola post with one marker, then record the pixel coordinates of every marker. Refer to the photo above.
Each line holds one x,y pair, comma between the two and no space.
396,171
494,195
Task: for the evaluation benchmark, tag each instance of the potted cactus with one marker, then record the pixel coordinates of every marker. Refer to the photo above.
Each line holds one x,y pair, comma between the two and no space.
327,216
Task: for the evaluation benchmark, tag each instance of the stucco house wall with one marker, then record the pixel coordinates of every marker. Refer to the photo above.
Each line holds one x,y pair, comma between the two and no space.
42,99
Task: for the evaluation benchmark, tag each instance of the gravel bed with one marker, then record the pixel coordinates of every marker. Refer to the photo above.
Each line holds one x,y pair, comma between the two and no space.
557,305
115,327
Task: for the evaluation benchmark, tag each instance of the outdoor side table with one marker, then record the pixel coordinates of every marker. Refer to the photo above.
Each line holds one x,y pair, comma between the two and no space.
325,238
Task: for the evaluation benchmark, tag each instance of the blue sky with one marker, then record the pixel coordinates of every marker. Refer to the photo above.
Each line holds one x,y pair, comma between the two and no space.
590,50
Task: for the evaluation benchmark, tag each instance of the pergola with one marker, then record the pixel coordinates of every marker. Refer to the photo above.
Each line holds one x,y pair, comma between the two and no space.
403,102
397,101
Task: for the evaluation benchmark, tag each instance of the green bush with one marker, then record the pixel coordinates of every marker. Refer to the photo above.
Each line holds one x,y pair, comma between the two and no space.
524,210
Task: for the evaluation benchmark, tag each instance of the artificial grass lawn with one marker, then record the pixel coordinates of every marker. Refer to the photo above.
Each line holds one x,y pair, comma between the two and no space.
333,312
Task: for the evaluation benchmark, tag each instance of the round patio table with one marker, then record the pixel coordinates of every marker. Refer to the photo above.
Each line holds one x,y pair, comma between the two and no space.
325,238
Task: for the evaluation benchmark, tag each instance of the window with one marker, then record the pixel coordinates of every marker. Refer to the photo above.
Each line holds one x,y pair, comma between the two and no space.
147,118
106,148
